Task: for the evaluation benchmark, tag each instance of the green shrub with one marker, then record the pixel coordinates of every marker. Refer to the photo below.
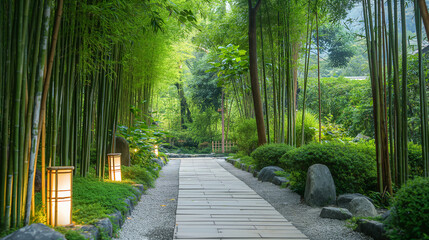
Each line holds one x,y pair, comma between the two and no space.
415,159
246,135
270,154
247,160
311,124
353,166
138,174
410,217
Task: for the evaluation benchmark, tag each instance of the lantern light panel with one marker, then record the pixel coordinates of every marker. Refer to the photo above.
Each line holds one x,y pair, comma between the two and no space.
59,197
114,160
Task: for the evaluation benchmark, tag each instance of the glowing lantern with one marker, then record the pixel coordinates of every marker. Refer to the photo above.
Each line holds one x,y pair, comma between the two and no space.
59,189
114,166
155,150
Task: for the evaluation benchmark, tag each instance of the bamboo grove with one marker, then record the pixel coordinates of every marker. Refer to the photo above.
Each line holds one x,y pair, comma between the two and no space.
387,55
287,34
69,72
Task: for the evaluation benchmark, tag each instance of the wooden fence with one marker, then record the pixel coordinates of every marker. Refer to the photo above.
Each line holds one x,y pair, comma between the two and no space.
217,146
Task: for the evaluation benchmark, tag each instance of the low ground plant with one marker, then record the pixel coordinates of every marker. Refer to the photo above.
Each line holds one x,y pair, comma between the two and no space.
353,166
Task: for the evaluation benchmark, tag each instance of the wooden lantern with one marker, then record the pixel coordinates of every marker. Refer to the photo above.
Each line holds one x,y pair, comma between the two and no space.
114,160
59,197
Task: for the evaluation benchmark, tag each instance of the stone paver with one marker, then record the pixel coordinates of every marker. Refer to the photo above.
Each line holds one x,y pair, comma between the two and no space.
214,204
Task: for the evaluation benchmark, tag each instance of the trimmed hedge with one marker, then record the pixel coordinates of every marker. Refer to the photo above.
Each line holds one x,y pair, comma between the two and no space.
269,154
410,217
353,166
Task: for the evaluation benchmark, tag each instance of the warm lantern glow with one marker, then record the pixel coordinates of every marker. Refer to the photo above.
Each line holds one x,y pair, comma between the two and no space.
155,150
59,189
114,166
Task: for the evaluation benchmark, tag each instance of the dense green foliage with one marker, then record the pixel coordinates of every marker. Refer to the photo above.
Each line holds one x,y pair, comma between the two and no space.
410,212
94,199
245,135
310,127
352,166
415,160
270,154
139,174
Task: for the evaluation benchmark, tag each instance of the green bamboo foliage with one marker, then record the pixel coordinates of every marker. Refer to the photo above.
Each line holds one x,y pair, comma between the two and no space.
423,98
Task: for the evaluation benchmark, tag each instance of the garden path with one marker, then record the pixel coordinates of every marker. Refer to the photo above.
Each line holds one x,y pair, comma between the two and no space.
214,204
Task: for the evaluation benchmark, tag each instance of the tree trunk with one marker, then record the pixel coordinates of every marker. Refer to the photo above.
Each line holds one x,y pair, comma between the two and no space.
253,61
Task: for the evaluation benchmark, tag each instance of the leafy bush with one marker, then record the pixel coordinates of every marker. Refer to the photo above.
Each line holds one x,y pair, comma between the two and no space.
415,159
311,125
139,174
269,154
246,135
353,166
247,160
410,216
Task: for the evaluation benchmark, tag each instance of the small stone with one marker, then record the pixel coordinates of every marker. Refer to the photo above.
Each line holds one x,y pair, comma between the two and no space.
280,180
158,161
35,231
268,173
362,207
128,206
105,226
243,167
344,199
374,229
251,169
319,187
89,232
116,218
336,213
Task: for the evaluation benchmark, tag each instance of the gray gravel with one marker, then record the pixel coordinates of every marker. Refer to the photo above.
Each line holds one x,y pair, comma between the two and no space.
288,203
154,217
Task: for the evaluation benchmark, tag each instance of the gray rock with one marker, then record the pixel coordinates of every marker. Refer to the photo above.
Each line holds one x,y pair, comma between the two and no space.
319,187
122,146
243,167
35,231
128,206
90,232
280,180
371,228
344,200
360,137
139,188
251,169
268,173
132,201
158,161
116,218
362,207
336,213
105,226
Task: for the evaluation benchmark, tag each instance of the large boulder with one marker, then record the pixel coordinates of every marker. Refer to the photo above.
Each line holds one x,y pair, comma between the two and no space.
35,231
268,173
335,213
320,186
362,207
123,147
344,200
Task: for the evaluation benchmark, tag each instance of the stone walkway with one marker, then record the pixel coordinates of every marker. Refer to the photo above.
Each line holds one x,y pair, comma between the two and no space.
214,204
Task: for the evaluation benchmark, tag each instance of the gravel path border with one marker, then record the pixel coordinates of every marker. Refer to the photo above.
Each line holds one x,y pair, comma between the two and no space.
154,217
288,203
